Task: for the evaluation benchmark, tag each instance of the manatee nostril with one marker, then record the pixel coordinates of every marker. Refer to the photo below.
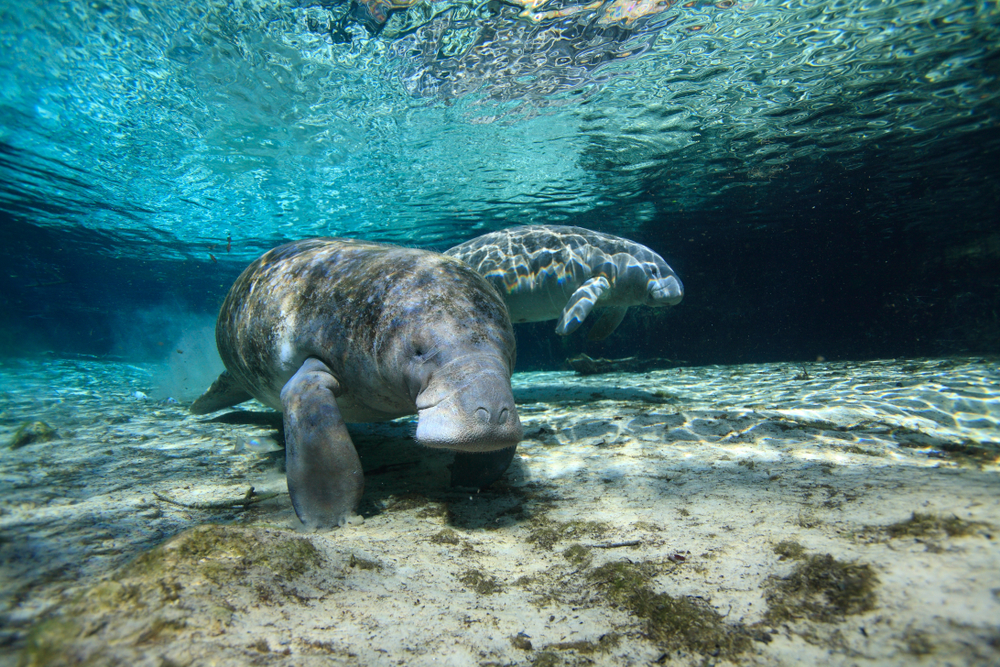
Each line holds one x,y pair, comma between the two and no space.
502,417
483,414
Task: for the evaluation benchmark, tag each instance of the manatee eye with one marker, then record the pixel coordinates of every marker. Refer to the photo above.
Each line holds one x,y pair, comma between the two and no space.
424,353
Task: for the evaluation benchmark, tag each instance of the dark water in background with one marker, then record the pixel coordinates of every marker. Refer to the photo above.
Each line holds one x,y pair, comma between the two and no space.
822,175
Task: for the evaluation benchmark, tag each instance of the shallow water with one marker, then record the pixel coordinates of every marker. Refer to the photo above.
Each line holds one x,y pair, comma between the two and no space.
715,464
176,127
823,176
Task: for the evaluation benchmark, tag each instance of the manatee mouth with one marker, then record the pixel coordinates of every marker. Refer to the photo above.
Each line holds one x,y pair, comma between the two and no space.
478,417
666,291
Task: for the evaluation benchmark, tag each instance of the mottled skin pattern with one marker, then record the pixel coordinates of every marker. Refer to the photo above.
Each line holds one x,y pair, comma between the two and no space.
331,331
546,272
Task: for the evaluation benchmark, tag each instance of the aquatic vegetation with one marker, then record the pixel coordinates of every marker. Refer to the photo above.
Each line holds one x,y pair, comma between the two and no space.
789,549
446,536
363,563
546,535
822,588
176,588
921,525
578,554
222,553
32,432
405,502
481,582
675,623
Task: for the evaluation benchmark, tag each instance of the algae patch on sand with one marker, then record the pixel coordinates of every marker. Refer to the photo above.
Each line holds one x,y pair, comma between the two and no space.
192,584
480,582
32,432
546,533
675,623
822,588
921,525
222,553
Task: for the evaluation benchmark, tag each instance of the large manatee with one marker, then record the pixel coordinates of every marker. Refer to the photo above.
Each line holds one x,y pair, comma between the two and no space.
330,331
549,271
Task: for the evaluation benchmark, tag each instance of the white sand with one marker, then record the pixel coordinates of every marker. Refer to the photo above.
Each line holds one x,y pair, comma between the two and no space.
698,473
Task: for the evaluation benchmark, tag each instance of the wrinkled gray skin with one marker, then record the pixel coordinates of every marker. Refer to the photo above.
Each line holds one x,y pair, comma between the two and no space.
331,331
549,271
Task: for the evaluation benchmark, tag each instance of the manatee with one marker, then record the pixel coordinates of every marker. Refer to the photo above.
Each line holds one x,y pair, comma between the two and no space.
331,330
546,272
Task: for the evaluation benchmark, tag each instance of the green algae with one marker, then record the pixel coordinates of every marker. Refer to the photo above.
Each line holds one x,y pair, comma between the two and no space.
46,641
363,563
547,533
547,659
446,536
930,525
675,623
151,605
578,554
480,582
823,589
31,432
223,553
789,550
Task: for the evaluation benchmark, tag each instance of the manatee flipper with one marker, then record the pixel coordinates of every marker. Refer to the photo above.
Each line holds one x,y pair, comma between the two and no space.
325,480
580,304
480,469
225,392
608,322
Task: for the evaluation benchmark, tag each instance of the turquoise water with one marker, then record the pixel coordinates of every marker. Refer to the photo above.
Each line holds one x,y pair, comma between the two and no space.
175,126
822,175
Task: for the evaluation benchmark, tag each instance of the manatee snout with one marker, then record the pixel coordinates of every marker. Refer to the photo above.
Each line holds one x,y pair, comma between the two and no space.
666,291
478,416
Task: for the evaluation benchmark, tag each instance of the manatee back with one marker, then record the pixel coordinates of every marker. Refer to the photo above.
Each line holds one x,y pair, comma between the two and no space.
537,268
347,303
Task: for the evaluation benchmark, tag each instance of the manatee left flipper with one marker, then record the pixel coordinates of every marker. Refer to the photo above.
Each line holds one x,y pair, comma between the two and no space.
225,392
608,322
580,304
325,479
480,469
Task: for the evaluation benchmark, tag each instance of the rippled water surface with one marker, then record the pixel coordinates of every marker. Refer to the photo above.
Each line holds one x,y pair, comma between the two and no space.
179,123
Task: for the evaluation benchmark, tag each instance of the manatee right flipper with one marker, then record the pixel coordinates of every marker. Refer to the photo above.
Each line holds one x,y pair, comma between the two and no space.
580,304
225,392
325,480
480,469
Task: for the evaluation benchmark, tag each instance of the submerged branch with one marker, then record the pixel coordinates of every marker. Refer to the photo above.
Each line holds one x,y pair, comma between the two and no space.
248,499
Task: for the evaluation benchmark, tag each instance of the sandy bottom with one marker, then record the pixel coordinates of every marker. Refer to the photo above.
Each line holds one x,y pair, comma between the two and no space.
837,513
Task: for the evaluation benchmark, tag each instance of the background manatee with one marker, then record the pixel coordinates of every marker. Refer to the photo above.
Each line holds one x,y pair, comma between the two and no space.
550,271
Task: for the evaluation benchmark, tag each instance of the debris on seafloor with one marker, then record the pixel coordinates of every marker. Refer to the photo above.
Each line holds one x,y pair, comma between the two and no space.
251,497
586,365
29,432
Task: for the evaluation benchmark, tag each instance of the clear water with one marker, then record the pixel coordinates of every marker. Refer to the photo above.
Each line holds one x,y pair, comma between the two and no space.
823,174
174,125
